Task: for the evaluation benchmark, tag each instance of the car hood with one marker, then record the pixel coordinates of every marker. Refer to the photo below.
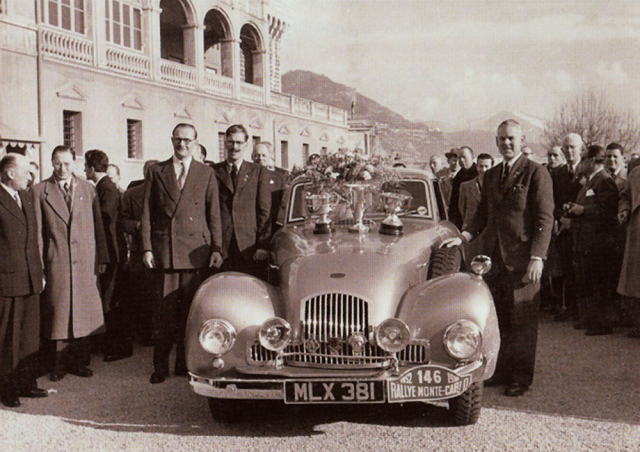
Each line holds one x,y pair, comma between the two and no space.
375,267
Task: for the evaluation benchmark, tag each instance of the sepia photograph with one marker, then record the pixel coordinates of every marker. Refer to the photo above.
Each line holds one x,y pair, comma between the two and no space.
319,225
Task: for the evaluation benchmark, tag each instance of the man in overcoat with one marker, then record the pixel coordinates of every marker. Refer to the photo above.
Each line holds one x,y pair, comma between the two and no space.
20,284
245,205
181,237
515,216
74,251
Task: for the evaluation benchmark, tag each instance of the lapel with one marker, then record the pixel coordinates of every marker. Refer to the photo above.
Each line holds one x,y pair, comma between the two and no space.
514,173
191,183
589,184
245,173
12,206
224,177
168,179
54,197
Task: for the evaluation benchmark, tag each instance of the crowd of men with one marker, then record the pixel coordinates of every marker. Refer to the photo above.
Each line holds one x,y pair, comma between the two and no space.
87,267
565,238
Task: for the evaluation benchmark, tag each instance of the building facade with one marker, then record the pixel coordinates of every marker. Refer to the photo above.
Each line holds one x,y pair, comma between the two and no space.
118,75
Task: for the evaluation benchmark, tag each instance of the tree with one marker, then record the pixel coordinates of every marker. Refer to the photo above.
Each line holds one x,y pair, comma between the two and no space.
596,120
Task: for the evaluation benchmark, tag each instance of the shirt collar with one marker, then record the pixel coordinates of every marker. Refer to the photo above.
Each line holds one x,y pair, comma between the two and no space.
238,164
10,190
575,167
61,182
176,163
513,161
596,172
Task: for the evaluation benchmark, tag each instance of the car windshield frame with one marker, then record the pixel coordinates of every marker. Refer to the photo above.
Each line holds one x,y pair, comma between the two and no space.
297,212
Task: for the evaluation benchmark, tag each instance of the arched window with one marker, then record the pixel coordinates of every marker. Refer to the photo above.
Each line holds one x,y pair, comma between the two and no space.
218,46
251,55
173,21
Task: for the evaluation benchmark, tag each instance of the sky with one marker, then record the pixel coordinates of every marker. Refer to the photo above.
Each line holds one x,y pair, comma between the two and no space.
452,60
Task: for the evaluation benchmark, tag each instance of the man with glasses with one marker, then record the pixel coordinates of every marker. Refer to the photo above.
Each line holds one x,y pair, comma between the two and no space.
181,237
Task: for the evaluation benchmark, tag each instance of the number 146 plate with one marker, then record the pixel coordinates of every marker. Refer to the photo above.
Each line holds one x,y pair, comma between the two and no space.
333,391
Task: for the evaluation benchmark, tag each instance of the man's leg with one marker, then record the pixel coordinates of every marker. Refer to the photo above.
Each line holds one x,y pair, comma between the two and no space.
164,324
189,283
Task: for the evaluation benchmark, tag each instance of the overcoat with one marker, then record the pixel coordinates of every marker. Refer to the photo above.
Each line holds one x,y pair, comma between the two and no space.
73,244
629,284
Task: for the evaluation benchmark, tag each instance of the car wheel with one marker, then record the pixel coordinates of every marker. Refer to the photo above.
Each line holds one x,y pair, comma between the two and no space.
228,410
465,409
445,261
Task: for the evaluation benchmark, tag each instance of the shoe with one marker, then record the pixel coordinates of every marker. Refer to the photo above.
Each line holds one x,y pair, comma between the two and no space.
516,390
634,334
111,357
561,316
598,331
157,377
494,381
181,369
57,375
81,371
34,393
579,326
10,400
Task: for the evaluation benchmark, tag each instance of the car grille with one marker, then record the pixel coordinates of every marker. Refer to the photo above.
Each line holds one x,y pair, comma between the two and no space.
334,315
372,356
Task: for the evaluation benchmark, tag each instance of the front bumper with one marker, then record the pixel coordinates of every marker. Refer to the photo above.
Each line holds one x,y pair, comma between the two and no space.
273,389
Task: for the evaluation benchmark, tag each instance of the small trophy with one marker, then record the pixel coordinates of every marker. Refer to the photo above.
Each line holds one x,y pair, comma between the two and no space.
322,204
393,203
359,203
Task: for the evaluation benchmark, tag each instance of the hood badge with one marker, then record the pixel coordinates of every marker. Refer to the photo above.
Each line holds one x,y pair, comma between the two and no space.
312,345
337,275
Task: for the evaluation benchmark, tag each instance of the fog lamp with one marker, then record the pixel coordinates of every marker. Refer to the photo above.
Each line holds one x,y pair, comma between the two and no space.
462,339
217,336
275,334
392,335
481,264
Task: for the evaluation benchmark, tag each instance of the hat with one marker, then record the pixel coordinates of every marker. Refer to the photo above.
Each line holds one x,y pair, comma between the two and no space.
452,153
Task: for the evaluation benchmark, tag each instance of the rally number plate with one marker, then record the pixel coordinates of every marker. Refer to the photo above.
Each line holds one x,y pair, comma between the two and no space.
427,383
333,391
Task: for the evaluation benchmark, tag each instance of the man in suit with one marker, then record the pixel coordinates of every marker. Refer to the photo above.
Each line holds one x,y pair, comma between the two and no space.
138,278
117,340
468,171
515,215
20,283
555,158
437,166
470,190
593,224
614,164
75,253
245,205
263,155
566,185
446,181
181,237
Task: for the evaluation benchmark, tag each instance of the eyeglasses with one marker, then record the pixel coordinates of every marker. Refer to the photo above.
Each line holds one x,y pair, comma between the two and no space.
184,140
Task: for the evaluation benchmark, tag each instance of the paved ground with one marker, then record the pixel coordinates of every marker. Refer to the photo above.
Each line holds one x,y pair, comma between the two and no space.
586,397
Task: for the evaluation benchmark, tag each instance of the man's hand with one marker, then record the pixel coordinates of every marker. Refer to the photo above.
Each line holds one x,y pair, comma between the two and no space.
565,224
576,209
623,217
450,243
147,260
102,268
261,255
534,272
216,259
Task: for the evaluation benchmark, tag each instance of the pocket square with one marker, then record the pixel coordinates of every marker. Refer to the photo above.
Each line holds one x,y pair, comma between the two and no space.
590,192
271,182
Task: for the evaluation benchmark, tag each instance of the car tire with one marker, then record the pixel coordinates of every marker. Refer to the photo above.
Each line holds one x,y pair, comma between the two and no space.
465,409
445,261
229,411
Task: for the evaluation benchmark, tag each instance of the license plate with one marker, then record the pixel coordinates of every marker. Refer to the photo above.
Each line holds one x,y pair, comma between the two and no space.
427,383
334,391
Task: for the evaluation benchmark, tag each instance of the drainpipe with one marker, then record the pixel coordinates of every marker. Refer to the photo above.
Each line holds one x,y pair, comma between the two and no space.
39,88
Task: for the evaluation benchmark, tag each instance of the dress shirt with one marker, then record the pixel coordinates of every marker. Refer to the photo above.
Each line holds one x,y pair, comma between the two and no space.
13,193
177,165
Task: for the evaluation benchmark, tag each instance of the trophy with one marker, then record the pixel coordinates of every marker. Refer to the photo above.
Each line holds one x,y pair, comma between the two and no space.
393,204
322,204
359,203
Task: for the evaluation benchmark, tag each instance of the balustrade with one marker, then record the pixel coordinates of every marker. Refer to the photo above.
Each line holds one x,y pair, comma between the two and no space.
66,46
281,100
302,106
128,62
217,84
251,93
178,74
320,111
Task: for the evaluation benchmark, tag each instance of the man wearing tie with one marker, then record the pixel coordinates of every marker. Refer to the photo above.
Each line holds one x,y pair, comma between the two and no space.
245,205
515,216
20,284
181,237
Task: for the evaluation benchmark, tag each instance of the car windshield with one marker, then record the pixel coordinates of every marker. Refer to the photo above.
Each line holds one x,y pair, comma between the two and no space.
418,204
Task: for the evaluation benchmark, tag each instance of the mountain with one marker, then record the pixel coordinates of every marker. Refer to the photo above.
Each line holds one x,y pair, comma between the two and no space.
319,88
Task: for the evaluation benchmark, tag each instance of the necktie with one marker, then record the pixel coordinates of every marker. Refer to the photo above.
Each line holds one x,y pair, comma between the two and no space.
182,178
505,173
67,195
234,174
16,196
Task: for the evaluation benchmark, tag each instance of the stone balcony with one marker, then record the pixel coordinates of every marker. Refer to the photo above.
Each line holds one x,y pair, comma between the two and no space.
58,45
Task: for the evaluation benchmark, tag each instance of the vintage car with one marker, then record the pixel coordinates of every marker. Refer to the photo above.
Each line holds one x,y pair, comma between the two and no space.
379,314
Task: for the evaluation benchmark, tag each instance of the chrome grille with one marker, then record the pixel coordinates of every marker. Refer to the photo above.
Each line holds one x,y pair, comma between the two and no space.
334,315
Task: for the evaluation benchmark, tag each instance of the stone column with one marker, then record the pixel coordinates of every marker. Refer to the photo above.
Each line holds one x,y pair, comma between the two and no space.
99,32
152,38
193,38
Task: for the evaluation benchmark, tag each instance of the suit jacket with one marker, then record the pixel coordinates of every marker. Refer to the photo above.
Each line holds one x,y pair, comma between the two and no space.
72,243
595,229
277,185
630,196
446,183
469,200
181,228
464,175
620,179
245,211
131,218
110,199
565,188
516,217
20,263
